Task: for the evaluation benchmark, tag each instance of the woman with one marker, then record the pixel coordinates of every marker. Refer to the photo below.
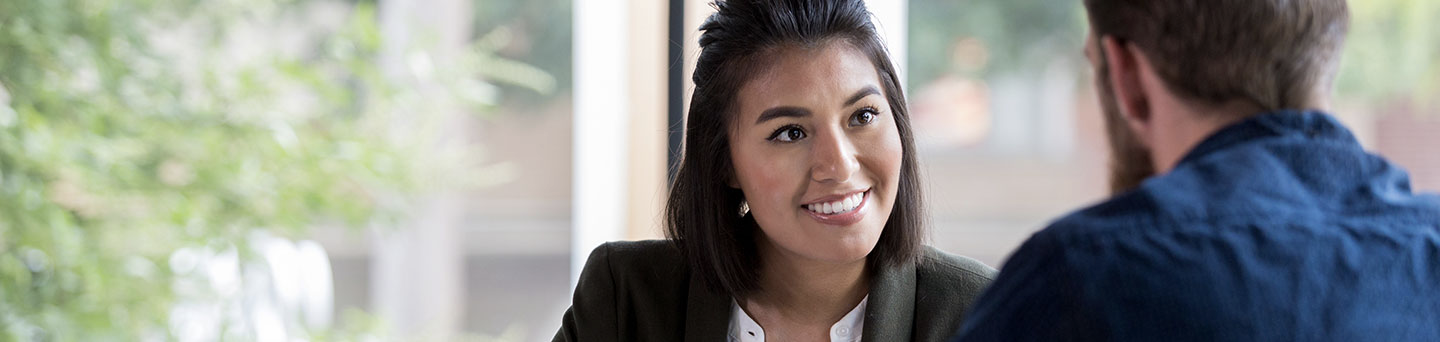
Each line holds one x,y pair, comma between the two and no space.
796,212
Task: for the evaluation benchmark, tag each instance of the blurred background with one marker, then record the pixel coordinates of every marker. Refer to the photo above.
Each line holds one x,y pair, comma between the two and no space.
283,170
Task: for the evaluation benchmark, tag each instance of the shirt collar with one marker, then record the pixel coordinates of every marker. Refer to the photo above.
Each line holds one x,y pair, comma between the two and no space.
890,317
744,329
1310,124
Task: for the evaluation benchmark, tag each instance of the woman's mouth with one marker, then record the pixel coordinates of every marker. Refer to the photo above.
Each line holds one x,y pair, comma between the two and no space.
842,212
838,207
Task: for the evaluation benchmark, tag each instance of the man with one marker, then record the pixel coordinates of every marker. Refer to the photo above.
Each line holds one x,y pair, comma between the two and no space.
1242,212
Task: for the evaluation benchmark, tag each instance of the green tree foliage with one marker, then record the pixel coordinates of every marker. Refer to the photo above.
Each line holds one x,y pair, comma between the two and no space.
132,129
537,32
1392,52
1015,34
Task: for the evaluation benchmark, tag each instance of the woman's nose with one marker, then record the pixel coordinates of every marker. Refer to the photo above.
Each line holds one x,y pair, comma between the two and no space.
833,157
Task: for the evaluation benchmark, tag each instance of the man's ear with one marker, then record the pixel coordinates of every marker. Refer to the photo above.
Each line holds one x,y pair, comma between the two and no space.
1125,68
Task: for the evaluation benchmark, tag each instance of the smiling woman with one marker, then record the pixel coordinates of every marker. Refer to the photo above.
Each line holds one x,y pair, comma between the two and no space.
796,211
832,143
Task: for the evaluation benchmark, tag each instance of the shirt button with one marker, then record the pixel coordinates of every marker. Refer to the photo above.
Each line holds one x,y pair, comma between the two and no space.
842,331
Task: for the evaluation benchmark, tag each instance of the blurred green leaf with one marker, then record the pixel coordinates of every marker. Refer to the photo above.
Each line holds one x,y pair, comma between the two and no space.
1392,52
132,129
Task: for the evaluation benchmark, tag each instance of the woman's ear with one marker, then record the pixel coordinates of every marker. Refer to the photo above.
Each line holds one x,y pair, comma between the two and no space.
1125,68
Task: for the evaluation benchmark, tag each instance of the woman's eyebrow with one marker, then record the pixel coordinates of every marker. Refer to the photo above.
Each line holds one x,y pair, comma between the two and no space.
867,91
782,112
797,112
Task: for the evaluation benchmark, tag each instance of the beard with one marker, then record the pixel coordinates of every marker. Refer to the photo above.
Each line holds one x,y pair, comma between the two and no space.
1130,162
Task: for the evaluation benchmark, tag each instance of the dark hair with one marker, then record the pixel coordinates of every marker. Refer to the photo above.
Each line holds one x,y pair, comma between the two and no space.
702,214
1278,54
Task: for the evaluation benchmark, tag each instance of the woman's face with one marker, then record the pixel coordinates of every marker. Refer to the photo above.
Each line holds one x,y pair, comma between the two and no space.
817,153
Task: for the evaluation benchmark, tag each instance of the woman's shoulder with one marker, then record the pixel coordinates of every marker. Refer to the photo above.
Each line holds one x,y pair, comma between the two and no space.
639,263
939,263
951,275
646,278
946,286
641,249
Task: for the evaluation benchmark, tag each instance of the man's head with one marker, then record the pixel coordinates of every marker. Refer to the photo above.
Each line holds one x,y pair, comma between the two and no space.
1171,72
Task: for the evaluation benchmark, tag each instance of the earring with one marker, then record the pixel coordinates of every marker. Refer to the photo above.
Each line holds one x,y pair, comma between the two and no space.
744,208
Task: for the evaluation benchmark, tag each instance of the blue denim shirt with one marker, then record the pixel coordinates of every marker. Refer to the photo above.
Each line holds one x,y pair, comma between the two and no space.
1277,228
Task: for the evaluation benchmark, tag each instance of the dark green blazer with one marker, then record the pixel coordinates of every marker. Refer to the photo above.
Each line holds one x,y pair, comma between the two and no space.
644,291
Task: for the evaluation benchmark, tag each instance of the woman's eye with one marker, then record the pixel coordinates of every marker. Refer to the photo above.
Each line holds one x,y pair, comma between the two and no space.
863,117
788,134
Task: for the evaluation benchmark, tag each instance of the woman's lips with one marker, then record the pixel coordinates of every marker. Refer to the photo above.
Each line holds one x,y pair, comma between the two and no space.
840,213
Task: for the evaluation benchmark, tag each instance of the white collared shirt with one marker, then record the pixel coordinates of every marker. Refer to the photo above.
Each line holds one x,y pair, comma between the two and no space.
744,329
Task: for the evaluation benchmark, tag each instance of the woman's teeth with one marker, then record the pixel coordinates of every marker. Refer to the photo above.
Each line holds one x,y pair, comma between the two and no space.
838,207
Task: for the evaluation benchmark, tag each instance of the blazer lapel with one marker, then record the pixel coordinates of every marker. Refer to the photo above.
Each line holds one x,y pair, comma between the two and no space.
891,309
707,314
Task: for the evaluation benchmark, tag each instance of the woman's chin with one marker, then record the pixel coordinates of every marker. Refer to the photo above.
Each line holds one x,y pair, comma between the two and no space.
843,254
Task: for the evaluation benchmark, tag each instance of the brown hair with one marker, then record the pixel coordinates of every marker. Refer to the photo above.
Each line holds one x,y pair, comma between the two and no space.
1278,54
702,214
